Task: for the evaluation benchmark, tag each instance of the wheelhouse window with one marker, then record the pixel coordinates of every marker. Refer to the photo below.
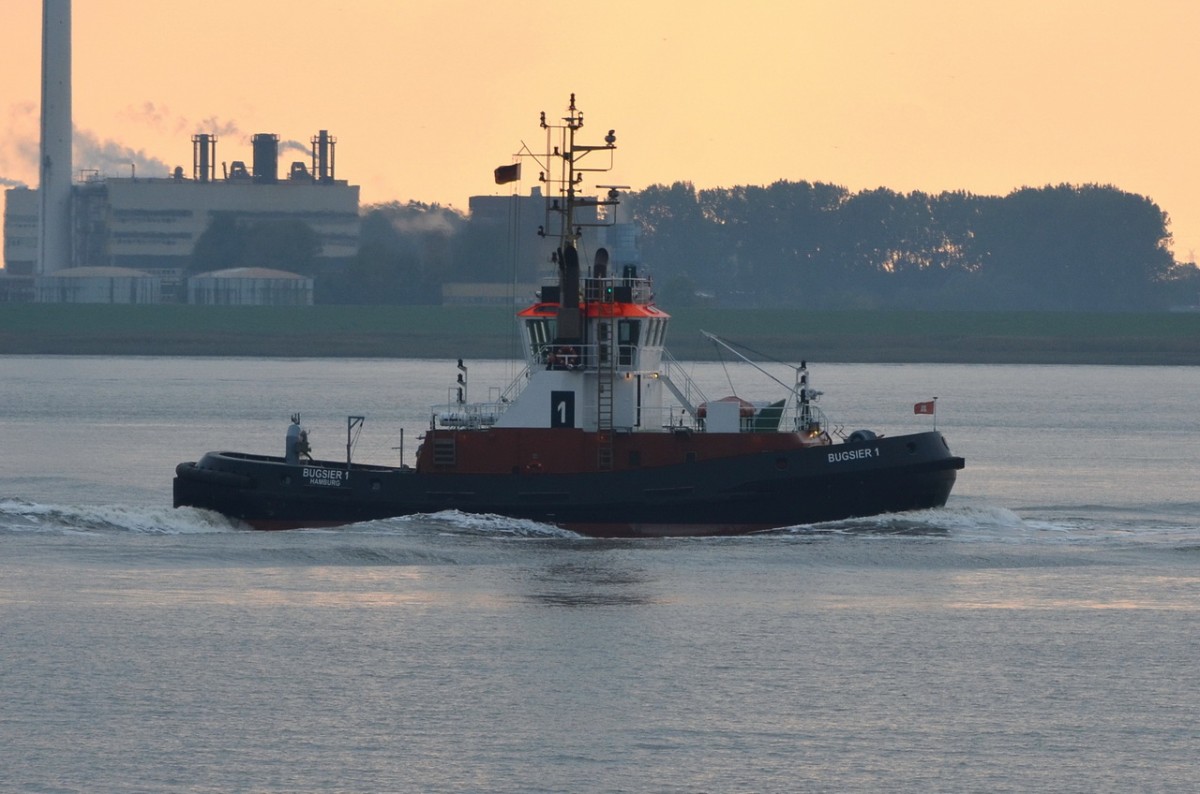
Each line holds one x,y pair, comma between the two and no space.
541,332
627,341
655,330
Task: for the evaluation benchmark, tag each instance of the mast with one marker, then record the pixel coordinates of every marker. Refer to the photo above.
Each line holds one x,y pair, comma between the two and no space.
564,169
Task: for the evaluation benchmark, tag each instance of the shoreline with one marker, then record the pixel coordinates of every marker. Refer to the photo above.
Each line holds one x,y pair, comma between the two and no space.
898,350
431,332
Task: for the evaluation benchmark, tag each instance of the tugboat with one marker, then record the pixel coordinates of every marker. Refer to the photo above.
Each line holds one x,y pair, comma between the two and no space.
602,433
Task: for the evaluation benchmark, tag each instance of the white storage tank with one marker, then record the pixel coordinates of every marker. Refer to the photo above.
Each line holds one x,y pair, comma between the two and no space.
250,286
98,285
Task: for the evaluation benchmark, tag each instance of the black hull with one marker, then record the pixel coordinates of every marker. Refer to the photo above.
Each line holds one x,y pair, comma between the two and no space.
717,497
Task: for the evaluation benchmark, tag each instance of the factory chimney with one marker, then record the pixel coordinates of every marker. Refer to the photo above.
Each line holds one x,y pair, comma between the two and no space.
54,229
265,146
204,156
322,156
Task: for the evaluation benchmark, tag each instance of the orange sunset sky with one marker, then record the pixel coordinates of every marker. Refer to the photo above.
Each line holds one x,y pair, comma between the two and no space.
426,98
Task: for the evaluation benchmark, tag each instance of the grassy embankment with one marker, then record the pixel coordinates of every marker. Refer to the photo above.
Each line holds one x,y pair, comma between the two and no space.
487,332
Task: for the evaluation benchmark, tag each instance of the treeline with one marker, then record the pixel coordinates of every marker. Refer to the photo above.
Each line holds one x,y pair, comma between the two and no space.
795,244
786,245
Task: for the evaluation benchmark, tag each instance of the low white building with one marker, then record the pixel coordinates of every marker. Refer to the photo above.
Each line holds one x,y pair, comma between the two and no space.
98,285
250,286
487,294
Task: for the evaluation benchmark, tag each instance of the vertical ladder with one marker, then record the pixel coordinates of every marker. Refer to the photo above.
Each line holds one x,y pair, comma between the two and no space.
606,376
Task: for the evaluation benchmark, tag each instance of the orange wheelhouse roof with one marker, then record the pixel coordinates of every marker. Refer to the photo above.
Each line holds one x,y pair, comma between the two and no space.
596,309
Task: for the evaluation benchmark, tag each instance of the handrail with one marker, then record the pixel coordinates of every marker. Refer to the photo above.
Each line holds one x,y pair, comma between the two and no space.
690,391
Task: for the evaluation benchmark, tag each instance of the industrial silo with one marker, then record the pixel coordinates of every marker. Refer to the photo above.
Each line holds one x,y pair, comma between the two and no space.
250,286
98,285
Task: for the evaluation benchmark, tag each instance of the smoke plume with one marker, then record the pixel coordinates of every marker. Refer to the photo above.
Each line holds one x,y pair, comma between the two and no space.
162,119
19,144
111,158
295,146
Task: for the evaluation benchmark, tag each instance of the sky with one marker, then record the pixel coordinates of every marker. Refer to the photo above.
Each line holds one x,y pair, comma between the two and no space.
427,97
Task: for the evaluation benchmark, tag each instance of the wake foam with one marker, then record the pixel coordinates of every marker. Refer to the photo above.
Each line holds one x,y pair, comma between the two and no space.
1065,525
936,522
20,515
488,524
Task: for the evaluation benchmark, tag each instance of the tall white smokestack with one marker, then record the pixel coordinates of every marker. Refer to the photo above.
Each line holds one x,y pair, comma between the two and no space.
54,237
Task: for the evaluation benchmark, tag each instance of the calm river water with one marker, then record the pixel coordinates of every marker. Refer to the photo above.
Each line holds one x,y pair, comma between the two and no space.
1037,634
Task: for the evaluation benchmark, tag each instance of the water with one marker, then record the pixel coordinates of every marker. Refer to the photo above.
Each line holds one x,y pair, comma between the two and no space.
1037,634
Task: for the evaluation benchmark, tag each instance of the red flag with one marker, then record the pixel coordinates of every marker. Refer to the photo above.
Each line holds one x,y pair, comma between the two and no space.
508,173
928,407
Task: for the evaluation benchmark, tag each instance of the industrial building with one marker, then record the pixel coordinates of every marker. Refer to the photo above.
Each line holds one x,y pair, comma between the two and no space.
152,224
21,208
90,237
523,216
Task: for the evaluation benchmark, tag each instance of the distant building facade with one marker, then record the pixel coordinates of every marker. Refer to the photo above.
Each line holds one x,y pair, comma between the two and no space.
20,231
514,218
152,224
20,245
525,215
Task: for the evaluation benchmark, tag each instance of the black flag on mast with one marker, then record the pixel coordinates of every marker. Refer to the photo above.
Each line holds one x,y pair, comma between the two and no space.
508,173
